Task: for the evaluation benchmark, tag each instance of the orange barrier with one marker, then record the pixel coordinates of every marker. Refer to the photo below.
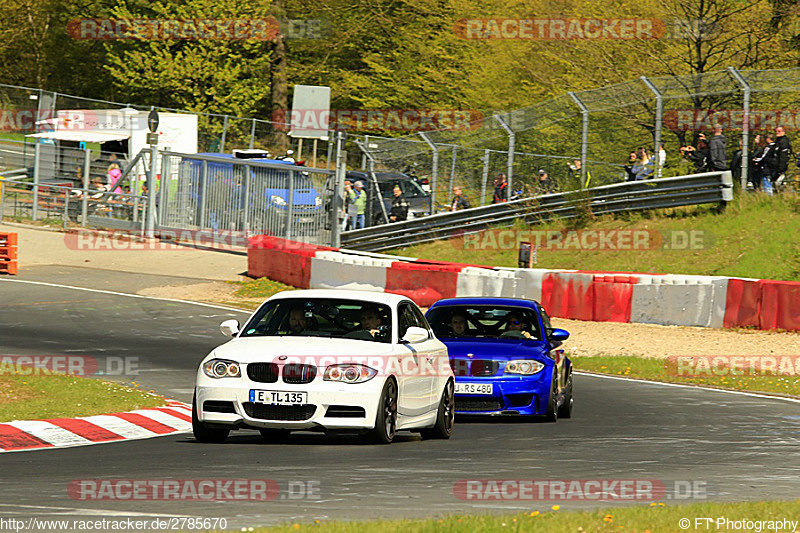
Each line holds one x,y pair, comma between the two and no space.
8,253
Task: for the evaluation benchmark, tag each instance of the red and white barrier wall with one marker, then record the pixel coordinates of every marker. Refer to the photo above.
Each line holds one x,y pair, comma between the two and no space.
669,299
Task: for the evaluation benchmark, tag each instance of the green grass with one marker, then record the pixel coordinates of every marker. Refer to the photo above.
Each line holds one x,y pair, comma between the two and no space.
260,288
659,370
756,236
26,396
651,517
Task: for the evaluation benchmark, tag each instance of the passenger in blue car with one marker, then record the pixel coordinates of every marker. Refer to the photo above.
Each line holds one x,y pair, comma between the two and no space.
458,325
515,327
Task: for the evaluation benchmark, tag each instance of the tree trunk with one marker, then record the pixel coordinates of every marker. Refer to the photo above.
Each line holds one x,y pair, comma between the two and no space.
279,97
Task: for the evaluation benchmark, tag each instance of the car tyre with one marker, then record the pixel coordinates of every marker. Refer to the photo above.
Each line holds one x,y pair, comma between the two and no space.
565,411
386,417
445,415
204,433
552,403
274,435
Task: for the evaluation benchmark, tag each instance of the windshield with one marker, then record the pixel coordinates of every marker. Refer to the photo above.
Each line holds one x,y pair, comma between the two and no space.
484,321
411,189
322,317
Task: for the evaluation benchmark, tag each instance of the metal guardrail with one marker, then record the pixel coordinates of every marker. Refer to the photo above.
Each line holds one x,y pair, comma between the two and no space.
708,187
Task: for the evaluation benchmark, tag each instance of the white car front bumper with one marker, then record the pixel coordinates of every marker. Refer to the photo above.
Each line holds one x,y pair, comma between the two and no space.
360,402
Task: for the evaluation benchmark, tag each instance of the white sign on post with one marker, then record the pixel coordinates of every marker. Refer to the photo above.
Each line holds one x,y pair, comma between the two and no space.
311,112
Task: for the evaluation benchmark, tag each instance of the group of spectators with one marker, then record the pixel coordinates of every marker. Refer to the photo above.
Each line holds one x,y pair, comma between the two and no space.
641,165
767,165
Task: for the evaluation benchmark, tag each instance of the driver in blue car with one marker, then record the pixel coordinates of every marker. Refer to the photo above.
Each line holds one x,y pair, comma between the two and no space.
515,327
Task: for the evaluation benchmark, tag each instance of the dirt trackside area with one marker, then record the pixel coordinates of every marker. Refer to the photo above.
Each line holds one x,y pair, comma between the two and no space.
652,340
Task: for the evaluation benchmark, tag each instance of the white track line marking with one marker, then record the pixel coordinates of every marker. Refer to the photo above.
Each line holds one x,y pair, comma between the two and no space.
113,293
695,387
80,510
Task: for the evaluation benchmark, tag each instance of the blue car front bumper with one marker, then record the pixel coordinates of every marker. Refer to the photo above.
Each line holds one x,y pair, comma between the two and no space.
511,395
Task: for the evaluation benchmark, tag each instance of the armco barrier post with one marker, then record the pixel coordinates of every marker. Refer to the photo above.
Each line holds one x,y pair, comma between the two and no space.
8,253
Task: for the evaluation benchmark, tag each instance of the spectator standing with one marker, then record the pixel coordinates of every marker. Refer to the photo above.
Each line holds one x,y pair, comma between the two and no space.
459,200
358,197
643,168
500,189
716,148
350,209
545,184
114,174
769,164
575,174
629,167
399,210
756,169
736,162
783,149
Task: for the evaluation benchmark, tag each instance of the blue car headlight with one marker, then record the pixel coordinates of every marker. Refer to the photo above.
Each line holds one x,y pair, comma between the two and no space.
222,368
525,367
277,200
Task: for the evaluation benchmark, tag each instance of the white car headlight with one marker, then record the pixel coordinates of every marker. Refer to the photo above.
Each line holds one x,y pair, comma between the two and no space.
277,200
349,373
526,367
222,368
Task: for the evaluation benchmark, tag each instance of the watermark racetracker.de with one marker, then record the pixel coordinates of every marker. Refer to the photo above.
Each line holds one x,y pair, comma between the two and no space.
579,490
193,489
197,29
693,366
591,240
73,365
731,119
378,119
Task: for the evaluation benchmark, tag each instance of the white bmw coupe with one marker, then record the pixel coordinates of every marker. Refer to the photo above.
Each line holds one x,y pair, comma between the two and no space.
327,360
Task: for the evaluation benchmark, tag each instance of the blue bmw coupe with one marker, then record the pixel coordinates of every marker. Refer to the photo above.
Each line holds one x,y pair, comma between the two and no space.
506,357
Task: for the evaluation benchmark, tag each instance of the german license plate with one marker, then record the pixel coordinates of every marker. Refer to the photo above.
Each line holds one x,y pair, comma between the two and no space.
275,397
473,388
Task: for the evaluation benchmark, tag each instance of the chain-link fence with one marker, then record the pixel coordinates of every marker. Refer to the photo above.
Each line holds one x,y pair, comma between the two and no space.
633,130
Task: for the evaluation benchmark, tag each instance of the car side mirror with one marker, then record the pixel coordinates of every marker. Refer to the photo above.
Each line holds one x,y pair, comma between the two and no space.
229,328
557,334
415,334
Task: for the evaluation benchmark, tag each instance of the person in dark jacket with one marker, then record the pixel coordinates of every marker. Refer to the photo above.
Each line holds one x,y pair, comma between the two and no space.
736,163
459,200
783,151
399,210
632,160
769,164
716,148
500,189
756,169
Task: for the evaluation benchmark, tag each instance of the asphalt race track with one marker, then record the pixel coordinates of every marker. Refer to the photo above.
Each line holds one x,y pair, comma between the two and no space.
729,446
